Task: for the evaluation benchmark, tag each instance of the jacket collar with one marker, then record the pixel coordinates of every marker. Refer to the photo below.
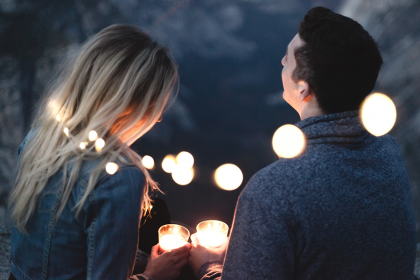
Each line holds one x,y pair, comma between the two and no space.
341,128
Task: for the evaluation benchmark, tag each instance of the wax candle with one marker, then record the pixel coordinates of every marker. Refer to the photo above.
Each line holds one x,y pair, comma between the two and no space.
172,236
171,241
212,233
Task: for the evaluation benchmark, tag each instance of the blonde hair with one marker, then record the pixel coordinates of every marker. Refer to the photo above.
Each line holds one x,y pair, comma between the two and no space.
117,86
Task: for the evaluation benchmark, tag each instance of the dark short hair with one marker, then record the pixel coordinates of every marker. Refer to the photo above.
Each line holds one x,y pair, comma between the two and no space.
339,60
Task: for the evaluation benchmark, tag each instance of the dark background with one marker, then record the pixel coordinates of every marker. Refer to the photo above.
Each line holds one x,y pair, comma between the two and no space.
229,104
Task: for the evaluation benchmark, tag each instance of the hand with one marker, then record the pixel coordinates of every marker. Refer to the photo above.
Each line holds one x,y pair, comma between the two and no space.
168,265
200,253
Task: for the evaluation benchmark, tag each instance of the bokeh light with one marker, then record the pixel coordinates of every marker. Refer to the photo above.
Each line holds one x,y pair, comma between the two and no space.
168,164
58,118
228,177
185,159
111,168
82,145
99,144
288,141
148,162
93,135
378,114
182,176
66,131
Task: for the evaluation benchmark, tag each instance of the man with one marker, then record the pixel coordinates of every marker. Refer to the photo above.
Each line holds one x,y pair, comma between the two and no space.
340,210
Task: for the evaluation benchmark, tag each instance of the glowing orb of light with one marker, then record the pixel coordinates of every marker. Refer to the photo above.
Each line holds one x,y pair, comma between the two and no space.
58,118
288,141
111,168
182,176
99,144
148,162
228,177
168,164
82,145
378,114
93,135
185,159
66,131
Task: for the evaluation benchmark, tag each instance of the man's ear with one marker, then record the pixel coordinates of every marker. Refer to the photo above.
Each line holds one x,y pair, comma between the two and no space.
304,90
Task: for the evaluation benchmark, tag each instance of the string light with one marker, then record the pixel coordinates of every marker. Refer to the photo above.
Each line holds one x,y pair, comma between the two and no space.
288,141
182,176
66,131
58,118
148,162
93,135
168,164
228,177
378,114
82,145
185,159
99,144
111,168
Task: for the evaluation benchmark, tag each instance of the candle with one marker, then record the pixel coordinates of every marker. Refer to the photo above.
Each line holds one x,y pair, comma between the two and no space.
171,241
212,233
172,236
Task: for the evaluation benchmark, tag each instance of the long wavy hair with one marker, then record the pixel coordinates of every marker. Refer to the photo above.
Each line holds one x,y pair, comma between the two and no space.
117,86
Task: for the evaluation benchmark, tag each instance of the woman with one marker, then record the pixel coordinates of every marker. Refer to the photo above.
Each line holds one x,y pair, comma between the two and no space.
80,190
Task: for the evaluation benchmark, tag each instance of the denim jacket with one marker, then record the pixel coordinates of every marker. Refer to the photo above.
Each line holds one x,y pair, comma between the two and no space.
100,243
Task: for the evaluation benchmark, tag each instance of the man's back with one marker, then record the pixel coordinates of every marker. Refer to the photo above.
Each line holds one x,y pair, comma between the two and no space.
341,210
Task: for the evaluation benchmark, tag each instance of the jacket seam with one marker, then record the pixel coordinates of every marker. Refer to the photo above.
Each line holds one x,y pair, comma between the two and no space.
51,226
91,236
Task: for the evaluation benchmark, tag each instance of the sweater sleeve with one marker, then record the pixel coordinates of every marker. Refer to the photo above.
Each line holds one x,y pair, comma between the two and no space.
210,271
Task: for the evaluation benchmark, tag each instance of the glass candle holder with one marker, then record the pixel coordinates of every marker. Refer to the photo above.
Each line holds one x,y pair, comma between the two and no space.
212,233
172,236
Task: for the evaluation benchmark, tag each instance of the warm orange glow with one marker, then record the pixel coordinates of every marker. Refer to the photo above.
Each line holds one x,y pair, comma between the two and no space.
148,162
185,159
111,168
168,164
182,175
378,114
58,118
288,141
228,177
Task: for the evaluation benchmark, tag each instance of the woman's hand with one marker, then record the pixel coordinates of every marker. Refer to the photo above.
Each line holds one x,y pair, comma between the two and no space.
200,254
168,265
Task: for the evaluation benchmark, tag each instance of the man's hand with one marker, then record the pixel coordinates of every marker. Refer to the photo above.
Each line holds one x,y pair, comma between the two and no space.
168,265
200,253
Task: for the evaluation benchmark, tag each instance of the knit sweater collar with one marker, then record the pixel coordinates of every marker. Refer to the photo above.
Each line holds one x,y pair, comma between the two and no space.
340,128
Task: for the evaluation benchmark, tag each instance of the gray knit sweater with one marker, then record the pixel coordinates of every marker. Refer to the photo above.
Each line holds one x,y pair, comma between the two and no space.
341,210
